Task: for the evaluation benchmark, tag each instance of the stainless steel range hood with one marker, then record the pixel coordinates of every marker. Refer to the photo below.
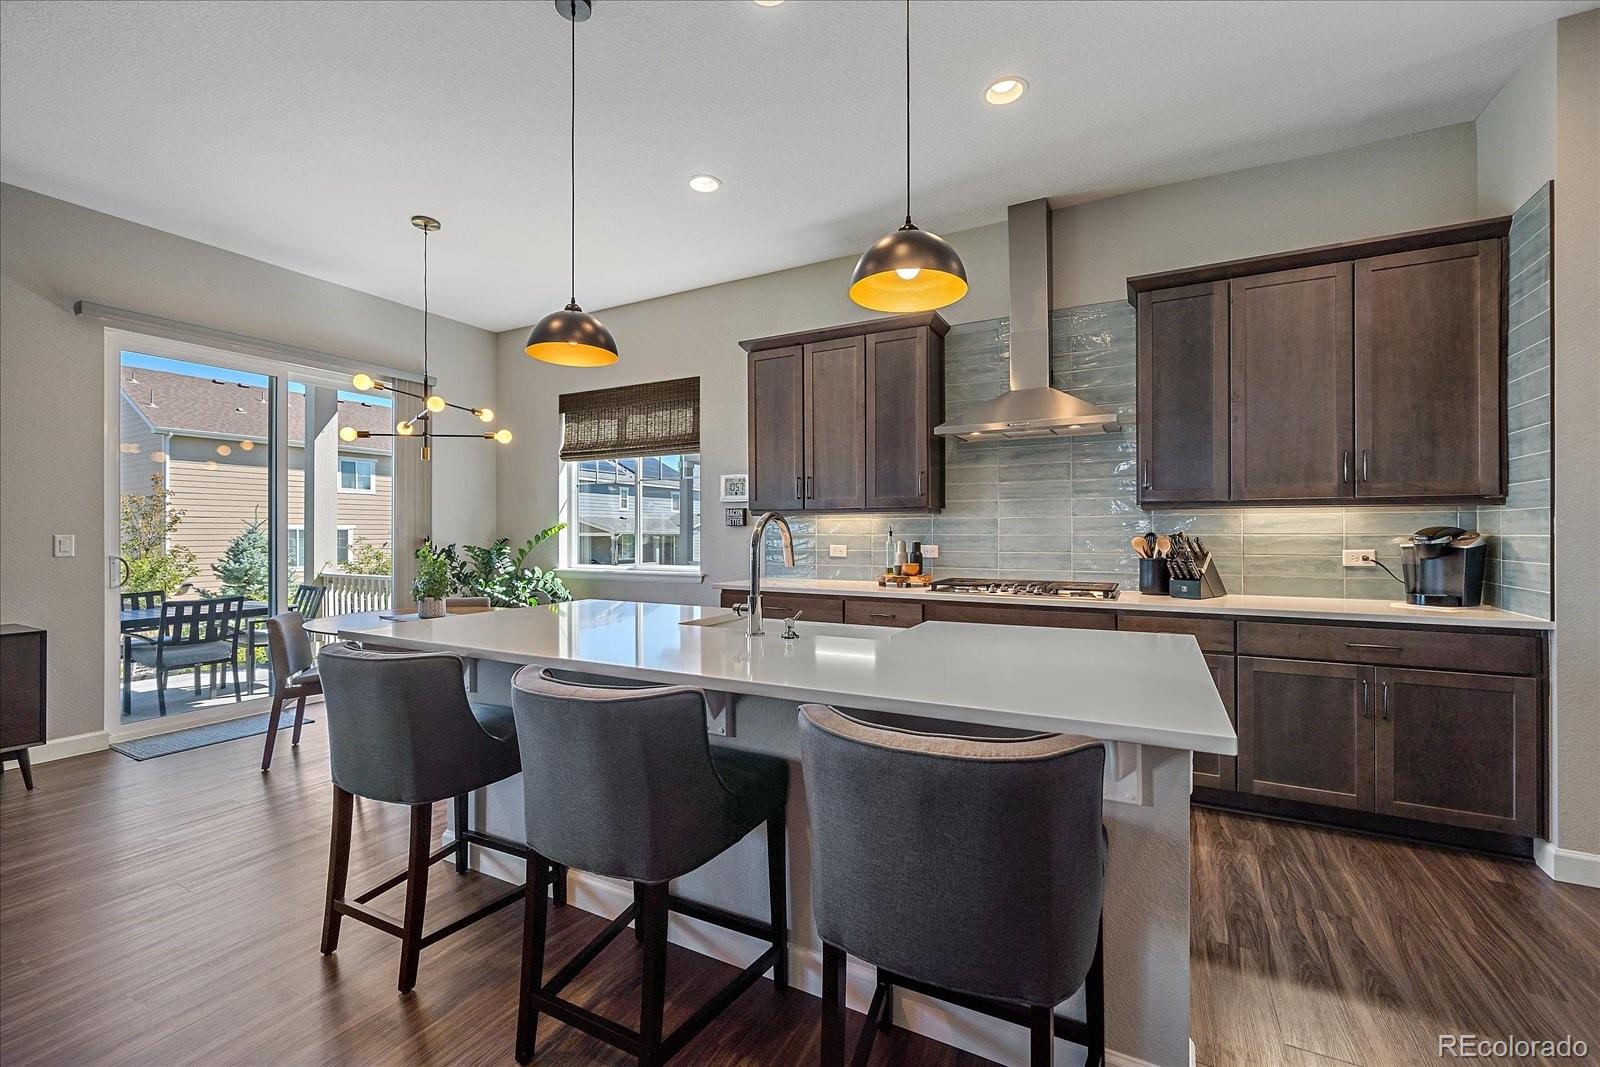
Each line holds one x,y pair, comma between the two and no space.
1030,408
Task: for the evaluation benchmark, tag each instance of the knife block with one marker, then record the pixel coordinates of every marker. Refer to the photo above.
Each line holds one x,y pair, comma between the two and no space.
1205,587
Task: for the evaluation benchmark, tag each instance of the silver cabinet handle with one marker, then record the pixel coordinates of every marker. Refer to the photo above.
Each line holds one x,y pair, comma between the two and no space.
1344,467
1366,465
1146,479
1386,704
1384,648
880,614
799,490
922,477
1366,701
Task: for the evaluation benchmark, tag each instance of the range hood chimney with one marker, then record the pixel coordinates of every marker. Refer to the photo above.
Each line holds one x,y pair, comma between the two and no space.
1030,408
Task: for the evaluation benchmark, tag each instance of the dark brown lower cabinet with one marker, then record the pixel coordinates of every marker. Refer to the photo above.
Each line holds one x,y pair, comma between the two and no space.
1219,772
1305,731
1458,748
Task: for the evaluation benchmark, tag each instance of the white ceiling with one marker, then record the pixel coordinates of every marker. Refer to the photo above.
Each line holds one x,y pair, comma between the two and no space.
305,134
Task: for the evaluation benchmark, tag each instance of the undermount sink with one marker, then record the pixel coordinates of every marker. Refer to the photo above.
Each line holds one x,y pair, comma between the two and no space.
773,627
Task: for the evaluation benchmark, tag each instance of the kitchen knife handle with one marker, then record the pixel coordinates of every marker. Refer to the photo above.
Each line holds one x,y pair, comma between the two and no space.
1344,466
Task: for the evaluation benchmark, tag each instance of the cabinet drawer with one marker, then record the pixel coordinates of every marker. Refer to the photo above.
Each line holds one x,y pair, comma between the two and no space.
1001,615
1214,635
1436,649
811,608
882,613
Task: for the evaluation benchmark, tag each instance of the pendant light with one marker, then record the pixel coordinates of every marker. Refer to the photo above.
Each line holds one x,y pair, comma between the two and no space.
432,402
910,269
572,337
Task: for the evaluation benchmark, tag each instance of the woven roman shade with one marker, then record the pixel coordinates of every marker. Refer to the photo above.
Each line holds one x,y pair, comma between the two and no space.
652,419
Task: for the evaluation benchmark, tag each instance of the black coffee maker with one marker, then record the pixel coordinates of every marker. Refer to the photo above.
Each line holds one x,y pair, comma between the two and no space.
1443,566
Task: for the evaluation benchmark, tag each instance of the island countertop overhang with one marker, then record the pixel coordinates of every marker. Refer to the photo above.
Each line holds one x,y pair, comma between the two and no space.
1140,688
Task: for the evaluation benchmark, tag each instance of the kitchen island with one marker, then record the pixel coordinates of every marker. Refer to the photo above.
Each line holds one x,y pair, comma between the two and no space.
1148,695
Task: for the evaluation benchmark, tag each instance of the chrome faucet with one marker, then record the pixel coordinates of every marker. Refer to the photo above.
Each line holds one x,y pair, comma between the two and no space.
758,560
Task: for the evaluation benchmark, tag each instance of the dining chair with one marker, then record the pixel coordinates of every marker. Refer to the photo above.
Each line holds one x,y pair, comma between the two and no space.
192,634
294,675
306,599
146,600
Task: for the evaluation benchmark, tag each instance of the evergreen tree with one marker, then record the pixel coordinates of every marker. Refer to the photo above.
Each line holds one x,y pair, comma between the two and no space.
244,567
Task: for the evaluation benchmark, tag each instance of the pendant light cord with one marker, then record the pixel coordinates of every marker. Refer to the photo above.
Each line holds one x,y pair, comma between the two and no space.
572,170
908,112
425,386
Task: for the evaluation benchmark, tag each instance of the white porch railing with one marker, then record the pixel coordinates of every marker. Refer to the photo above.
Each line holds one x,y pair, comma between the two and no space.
350,593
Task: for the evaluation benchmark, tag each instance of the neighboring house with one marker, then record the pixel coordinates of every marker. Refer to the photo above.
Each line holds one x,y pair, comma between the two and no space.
608,491
208,437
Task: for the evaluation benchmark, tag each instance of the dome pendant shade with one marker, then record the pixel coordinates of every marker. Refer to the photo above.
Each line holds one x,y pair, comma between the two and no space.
908,270
572,337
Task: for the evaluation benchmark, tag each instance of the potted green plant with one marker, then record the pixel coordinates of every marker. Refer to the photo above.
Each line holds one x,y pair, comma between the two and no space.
432,583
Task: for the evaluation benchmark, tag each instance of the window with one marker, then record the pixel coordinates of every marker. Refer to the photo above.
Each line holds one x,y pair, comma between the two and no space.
297,546
638,513
355,475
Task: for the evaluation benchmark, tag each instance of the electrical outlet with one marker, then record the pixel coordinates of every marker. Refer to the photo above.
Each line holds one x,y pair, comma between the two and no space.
930,551
838,551
1360,557
66,545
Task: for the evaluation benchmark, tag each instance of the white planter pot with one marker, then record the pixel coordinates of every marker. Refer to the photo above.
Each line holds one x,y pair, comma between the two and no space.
431,608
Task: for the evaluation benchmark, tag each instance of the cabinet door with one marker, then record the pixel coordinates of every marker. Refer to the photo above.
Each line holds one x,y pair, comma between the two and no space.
899,438
777,430
1292,408
1428,375
1183,393
836,425
1458,748
1305,731
1219,772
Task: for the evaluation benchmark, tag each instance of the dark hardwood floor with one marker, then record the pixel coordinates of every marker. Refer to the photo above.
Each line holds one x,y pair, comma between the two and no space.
168,912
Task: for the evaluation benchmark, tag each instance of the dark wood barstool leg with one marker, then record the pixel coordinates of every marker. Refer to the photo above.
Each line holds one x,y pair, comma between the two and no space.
299,720
1042,1036
638,915
833,1007
338,866
653,993
272,733
461,829
533,937
1094,1002
886,1020
558,879
778,895
416,894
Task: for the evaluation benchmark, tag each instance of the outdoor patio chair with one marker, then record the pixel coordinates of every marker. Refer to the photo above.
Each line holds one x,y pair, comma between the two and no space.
192,634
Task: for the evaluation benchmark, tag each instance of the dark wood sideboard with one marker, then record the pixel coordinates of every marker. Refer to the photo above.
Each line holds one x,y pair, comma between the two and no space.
23,657
1427,732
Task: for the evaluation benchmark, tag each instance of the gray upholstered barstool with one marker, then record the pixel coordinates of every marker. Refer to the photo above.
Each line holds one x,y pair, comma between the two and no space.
969,870
621,781
401,731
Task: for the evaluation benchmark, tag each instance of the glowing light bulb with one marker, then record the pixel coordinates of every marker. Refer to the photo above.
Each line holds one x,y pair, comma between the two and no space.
158,457
503,436
247,446
403,428
435,402
908,273
362,382
347,433
484,414
224,450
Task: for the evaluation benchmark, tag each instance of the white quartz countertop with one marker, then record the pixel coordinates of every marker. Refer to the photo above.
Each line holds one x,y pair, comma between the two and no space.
1269,607
1152,689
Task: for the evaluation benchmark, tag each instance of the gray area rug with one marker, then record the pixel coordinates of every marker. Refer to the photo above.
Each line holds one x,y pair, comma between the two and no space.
144,748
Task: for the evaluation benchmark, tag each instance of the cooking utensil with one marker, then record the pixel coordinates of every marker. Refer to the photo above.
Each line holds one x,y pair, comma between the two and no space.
1141,547
1163,546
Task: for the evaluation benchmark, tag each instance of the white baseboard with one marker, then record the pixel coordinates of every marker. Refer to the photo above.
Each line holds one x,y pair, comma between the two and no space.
968,1031
66,747
1567,865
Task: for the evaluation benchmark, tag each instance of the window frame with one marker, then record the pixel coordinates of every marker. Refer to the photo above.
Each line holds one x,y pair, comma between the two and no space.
296,535
570,538
357,462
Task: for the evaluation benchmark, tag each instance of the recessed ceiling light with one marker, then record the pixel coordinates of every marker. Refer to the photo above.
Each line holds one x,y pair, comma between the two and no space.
705,183
769,3
1005,91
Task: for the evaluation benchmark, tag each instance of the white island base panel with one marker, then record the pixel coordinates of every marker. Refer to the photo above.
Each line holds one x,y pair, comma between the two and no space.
1146,899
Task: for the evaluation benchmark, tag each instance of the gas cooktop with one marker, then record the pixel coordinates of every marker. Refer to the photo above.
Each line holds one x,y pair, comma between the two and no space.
1025,587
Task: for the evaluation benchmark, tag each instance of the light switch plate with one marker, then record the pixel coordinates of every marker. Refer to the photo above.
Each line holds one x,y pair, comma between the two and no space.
1359,557
838,551
66,545
930,551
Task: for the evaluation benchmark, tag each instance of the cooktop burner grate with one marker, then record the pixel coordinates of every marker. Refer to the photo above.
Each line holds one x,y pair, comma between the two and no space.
1027,587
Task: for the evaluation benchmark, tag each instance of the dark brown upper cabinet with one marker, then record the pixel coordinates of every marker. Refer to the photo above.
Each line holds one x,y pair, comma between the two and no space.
841,419
1183,386
1365,372
777,429
1428,372
1290,401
